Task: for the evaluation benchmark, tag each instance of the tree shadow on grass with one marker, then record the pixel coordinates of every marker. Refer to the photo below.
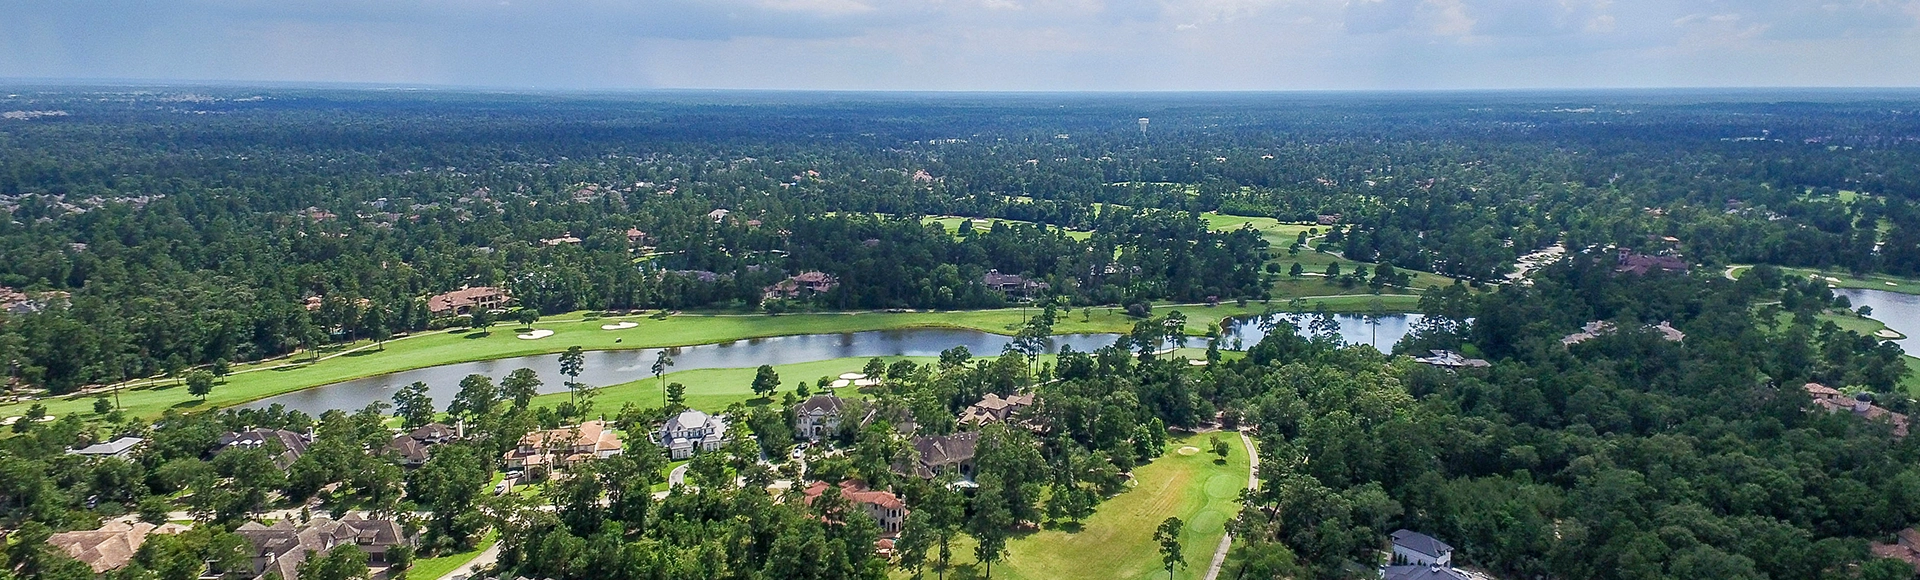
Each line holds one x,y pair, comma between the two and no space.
362,352
1067,527
189,403
475,335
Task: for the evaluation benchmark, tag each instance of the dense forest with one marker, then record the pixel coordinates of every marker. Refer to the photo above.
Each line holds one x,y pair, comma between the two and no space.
189,227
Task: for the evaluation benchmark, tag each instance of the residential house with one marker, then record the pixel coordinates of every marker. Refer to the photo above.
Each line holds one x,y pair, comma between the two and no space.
691,431
1860,405
463,301
1639,264
802,285
1905,548
1011,284
564,446
292,445
884,507
434,434
566,240
280,548
943,453
122,448
1417,549
637,237
111,546
1451,359
407,451
993,409
1599,328
718,215
818,416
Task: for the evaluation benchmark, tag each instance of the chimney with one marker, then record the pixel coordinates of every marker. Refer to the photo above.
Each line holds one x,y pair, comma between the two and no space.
1862,402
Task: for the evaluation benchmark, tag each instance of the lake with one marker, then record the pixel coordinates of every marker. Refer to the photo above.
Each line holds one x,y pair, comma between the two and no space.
1900,312
612,367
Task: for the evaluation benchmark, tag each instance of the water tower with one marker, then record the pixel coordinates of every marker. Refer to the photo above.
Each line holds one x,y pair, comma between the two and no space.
1143,125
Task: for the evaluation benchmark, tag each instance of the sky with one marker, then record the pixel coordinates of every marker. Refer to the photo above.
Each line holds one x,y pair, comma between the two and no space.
972,45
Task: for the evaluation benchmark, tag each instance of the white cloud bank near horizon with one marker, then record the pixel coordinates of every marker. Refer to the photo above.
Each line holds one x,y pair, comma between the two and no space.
973,44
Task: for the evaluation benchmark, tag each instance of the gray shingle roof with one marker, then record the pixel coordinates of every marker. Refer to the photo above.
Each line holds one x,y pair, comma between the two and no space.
1421,543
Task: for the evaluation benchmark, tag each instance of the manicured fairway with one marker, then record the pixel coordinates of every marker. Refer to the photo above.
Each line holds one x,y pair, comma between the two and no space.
1117,542
1281,236
1847,280
250,382
713,390
952,224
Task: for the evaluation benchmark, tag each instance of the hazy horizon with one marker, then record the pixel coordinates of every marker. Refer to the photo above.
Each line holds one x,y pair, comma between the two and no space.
973,45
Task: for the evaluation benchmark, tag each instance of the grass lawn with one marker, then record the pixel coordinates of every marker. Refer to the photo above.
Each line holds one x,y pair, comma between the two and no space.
1281,236
1912,382
1847,280
713,390
1117,542
432,568
952,224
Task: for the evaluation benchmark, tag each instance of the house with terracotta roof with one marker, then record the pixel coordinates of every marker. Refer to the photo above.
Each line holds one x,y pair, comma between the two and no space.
1452,360
1860,405
802,285
564,446
111,546
1629,262
884,507
463,301
1905,548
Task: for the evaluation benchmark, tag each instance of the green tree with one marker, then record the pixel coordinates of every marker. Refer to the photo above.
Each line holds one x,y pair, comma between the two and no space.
480,320
413,405
765,381
572,363
1168,537
343,562
990,523
660,366
375,324
200,383
102,405
477,397
526,316
522,385
676,395
1219,447
1297,270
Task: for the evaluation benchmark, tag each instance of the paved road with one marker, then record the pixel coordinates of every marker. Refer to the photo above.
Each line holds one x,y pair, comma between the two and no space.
484,559
1253,481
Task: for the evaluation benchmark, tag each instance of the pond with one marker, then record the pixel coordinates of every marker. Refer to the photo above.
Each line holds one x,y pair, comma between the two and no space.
1900,312
612,367
1380,333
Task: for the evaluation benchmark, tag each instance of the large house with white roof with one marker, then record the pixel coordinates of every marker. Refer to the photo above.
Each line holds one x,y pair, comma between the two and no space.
691,431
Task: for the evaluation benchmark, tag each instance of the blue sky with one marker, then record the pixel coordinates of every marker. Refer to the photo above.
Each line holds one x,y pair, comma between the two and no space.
973,44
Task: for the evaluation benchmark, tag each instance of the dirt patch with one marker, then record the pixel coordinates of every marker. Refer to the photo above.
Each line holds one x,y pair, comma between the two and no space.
1188,450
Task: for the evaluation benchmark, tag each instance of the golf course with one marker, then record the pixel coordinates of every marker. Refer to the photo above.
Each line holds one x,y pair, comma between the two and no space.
248,382
1117,542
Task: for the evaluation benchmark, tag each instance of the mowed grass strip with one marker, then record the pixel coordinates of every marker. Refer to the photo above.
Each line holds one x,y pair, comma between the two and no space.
713,390
1117,542
432,348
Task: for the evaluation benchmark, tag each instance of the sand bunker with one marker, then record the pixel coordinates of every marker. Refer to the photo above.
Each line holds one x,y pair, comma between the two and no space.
839,383
536,335
1888,333
621,326
1188,450
853,376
